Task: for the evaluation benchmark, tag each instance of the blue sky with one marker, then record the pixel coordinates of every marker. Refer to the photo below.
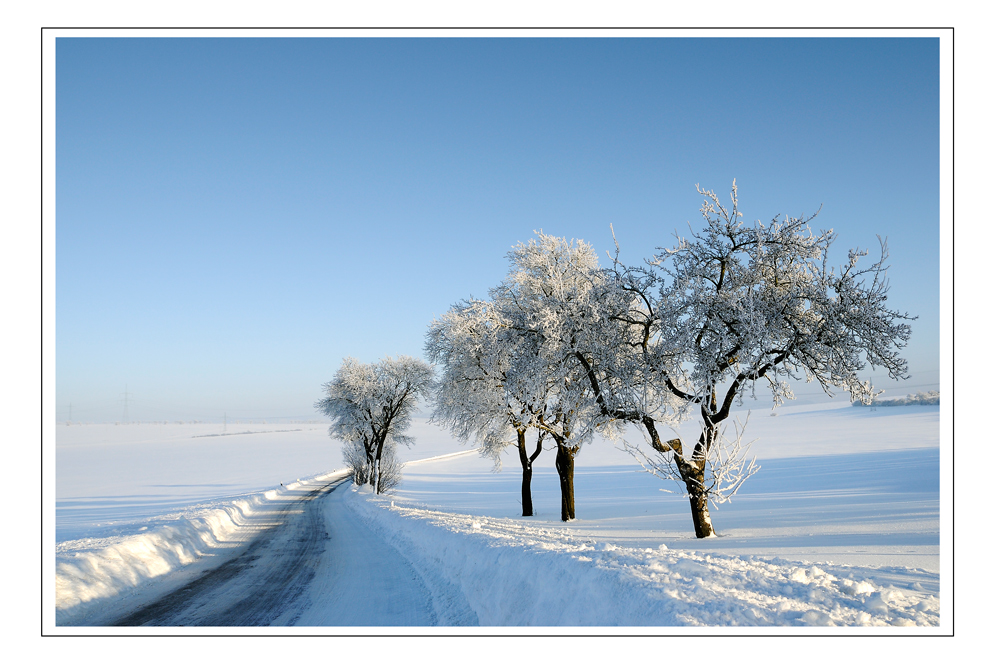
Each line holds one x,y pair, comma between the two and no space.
235,216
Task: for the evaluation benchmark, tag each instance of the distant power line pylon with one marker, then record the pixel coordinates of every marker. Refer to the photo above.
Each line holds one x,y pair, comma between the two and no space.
125,402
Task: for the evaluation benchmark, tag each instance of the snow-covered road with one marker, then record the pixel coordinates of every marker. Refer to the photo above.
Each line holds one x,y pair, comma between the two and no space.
308,560
364,581
265,583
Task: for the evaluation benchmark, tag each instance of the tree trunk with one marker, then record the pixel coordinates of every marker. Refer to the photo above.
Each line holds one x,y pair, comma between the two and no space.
371,465
694,481
376,470
523,456
527,460
692,472
565,469
527,491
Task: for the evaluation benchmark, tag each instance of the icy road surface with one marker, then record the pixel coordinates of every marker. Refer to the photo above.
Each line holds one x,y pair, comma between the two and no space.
312,562
265,584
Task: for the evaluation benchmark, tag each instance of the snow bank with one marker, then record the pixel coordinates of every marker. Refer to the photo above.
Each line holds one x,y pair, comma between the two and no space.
515,574
91,573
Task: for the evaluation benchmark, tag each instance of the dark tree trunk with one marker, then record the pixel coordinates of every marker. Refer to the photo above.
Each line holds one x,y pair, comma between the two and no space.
527,491
527,460
523,456
375,479
371,465
693,474
694,478
565,468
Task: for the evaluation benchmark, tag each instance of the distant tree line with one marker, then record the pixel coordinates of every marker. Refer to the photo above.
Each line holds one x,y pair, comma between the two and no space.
931,398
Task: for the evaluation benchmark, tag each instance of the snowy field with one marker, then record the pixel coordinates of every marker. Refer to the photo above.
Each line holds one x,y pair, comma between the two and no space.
112,478
841,527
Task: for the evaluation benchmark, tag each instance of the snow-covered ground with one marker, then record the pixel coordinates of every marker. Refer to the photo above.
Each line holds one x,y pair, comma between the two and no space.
840,527
113,478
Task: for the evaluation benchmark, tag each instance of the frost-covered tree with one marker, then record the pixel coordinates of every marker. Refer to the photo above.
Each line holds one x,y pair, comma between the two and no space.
552,285
506,362
476,394
736,305
371,406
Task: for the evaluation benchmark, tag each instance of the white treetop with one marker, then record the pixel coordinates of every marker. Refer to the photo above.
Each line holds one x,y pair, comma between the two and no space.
745,303
476,394
549,303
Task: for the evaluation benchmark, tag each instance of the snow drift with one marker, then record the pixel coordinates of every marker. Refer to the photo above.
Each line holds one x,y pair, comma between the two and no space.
90,572
513,574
